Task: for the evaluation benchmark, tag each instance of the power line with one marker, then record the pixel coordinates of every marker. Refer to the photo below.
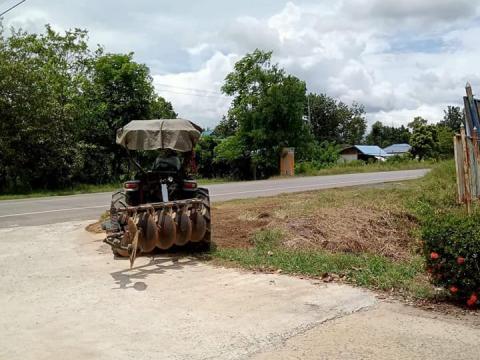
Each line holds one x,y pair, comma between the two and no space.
12,7
190,89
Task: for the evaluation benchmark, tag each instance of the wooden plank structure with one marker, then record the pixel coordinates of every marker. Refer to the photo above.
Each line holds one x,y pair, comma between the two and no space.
287,162
467,154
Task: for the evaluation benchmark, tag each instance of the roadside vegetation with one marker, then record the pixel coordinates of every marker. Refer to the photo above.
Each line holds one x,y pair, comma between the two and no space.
358,166
367,236
62,102
301,170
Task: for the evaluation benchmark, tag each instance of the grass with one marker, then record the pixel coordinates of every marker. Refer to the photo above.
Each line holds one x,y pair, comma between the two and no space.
366,270
361,167
407,277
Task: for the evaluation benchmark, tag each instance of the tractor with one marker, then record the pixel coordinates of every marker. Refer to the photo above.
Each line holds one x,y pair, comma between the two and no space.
162,206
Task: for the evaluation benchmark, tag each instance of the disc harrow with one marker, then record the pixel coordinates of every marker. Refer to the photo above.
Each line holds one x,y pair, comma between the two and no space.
141,229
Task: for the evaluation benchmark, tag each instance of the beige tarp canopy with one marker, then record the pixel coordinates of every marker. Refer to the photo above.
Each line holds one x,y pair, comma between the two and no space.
176,134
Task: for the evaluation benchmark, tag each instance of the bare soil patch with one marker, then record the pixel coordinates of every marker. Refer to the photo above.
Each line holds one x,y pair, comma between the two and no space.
352,227
349,225
233,226
95,228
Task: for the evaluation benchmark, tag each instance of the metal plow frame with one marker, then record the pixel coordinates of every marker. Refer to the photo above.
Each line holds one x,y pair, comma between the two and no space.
135,229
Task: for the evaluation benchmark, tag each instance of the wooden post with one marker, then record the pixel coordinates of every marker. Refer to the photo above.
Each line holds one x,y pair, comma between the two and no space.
472,107
466,170
458,150
476,161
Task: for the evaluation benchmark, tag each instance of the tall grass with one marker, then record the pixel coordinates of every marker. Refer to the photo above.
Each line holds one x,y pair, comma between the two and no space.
310,169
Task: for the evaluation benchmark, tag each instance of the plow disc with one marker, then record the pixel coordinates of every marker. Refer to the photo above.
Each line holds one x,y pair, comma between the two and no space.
141,229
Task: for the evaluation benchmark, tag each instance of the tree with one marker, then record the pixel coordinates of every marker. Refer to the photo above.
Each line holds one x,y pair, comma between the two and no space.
417,122
161,108
424,139
268,106
204,151
60,106
384,136
334,121
121,90
453,118
376,135
325,117
227,127
352,128
445,141
41,77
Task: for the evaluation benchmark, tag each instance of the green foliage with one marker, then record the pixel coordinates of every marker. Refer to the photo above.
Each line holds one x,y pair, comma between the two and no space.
204,151
445,142
424,139
384,136
230,149
452,249
161,109
121,90
334,121
317,156
448,233
227,127
418,121
60,106
41,77
453,118
268,106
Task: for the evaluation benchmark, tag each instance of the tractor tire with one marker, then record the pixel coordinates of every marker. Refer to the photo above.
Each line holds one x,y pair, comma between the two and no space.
119,201
205,244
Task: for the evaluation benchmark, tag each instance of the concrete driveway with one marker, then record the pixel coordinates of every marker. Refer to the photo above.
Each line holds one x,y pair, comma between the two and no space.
64,296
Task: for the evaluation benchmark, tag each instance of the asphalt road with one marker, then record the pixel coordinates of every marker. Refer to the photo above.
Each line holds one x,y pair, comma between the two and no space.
50,210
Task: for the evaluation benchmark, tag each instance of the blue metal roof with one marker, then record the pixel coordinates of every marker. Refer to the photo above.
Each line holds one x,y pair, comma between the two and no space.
372,150
397,149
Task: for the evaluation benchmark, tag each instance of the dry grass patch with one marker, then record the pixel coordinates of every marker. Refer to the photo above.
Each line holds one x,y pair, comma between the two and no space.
357,220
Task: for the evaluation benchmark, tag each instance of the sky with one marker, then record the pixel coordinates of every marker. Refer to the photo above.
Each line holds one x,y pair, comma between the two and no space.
399,58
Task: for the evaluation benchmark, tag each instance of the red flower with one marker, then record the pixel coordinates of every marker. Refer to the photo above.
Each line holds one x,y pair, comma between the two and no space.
453,289
434,255
460,260
472,300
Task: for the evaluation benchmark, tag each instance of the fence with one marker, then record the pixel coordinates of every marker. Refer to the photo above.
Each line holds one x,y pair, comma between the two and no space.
467,159
467,162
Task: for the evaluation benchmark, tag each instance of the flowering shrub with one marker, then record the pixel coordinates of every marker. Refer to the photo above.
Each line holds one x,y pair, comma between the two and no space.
452,248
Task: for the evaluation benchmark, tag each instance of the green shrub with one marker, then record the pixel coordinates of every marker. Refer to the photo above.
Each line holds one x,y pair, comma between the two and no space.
306,168
452,248
395,159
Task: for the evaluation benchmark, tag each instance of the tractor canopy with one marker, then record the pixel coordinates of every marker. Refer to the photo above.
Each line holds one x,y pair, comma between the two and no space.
175,134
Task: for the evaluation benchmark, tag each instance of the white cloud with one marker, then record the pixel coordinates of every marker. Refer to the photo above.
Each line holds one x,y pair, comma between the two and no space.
196,94
398,58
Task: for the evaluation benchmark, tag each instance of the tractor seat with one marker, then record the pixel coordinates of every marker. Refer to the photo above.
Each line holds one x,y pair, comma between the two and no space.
167,163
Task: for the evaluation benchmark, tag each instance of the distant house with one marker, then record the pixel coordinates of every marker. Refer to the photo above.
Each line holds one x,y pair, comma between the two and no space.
363,152
397,149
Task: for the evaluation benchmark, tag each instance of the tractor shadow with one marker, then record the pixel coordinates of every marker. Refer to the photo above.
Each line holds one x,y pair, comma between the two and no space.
130,278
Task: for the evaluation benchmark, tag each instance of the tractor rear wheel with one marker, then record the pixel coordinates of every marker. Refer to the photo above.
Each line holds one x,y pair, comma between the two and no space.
205,244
